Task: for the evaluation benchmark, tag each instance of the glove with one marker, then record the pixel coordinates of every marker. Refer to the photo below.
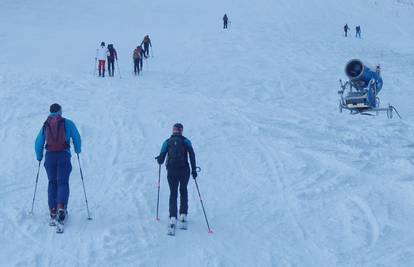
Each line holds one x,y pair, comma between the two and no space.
159,160
194,174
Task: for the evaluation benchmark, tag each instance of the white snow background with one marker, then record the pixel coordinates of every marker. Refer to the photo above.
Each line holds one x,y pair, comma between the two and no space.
286,179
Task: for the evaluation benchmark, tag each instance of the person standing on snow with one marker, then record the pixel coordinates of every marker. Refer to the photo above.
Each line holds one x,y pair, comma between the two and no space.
111,59
178,148
56,133
142,56
101,55
346,29
358,32
225,21
137,57
147,43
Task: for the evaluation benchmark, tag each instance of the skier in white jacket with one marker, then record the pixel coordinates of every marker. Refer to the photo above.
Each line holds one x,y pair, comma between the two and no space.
101,54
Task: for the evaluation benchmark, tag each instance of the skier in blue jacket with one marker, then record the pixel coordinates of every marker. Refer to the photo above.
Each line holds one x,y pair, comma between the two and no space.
56,133
179,149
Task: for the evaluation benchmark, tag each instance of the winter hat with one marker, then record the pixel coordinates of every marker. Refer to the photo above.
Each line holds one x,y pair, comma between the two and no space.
178,128
103,44
55,108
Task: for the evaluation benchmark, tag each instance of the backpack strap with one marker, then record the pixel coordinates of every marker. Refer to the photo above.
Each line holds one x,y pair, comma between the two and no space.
62,120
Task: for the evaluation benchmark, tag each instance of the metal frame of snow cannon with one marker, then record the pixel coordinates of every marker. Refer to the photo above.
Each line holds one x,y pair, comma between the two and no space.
362,90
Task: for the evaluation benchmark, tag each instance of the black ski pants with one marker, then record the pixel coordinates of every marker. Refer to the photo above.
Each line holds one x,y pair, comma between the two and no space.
111,66
146,49
178,178
225,24
136,65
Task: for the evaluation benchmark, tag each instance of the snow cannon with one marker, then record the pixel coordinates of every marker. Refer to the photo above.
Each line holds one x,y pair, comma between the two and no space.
361,75
359,95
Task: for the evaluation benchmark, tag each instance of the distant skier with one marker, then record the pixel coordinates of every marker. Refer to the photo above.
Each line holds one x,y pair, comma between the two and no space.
178,148
225,21
147,43
56,133
101,55
346,29
113,55
142,56
358,32
137,58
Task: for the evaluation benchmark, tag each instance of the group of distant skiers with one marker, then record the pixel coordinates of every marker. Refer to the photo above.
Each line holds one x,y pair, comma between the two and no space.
104,54
55,136
140,53
357,31
108,53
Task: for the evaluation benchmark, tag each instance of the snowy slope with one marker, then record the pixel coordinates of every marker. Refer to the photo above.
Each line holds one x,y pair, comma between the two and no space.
287,180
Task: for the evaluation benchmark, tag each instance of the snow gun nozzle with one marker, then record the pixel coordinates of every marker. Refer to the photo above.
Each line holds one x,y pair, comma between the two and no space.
198,169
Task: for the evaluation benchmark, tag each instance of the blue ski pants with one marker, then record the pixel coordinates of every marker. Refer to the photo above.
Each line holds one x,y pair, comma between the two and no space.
58,168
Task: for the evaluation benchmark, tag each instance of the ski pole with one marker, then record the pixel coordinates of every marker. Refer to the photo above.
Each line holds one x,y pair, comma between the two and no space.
152,52
158,197
198,169
94,68
34,195
146,63
84,191
119,72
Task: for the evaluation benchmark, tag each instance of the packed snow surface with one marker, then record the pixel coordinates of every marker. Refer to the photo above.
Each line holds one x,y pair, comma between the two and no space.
286,179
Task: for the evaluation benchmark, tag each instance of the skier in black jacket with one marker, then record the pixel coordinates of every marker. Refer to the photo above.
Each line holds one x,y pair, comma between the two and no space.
178,148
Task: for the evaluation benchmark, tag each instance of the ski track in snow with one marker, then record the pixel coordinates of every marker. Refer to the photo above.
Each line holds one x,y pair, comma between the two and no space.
286,179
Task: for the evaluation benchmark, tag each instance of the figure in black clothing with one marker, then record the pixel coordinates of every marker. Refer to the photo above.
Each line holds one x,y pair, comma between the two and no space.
225,21
147,43
346,29
142,56
111,59
358,32
178,148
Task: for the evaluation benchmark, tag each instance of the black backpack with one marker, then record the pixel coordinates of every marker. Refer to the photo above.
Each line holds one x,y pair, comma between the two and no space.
177,152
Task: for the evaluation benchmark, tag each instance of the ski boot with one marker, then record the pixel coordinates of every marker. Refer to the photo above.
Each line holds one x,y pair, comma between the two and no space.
61,215
171,226
53,217
183,221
